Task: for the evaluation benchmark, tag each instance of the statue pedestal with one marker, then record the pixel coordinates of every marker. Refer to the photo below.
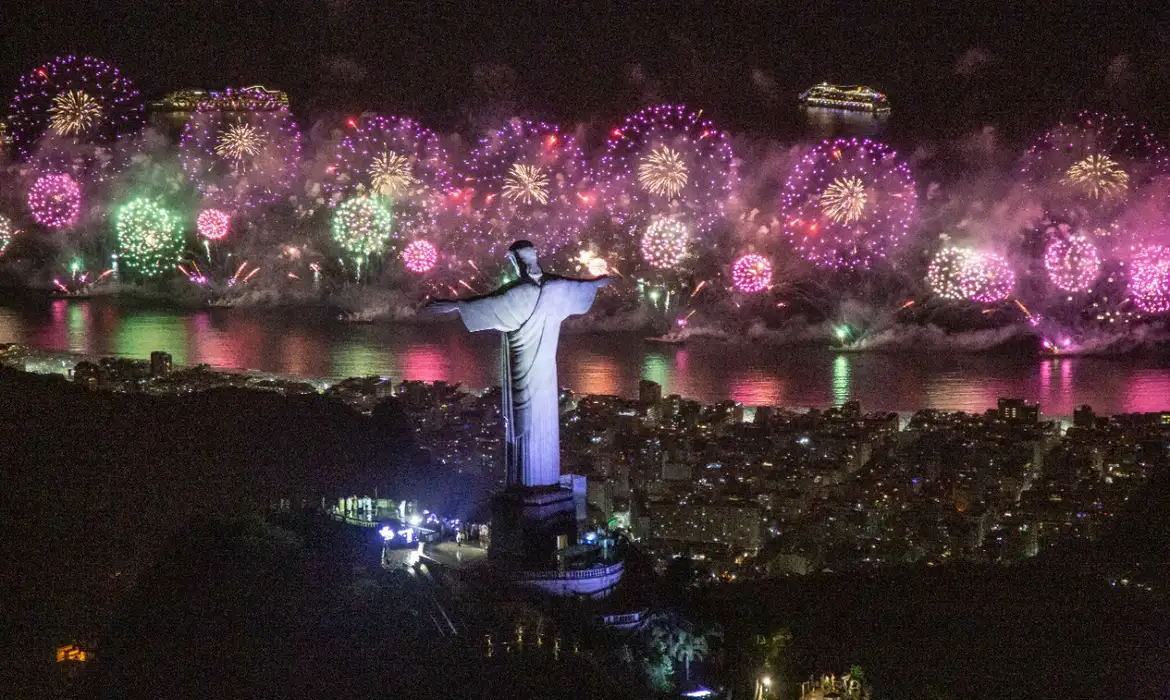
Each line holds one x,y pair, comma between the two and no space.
527,522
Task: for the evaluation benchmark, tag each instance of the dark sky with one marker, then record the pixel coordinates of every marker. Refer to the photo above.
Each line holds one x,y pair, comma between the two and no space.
944,64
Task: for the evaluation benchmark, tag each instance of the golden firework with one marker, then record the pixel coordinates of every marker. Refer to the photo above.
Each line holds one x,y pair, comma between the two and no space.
390,174
74,113
1097,176
526,184
239,141
844,199
663,172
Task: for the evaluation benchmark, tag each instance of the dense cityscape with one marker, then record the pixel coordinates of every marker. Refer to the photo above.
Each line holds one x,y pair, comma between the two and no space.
718,496
758,491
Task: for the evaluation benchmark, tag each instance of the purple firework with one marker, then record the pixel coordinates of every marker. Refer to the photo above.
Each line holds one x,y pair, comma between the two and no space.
73,99
847,203
394,158
668,161
1098,161
241,152
525,180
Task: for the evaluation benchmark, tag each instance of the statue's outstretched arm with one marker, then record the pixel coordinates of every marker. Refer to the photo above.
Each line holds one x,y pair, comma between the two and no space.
442,306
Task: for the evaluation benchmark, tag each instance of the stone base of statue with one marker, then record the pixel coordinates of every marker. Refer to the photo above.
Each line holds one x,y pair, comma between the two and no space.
531,523
534,544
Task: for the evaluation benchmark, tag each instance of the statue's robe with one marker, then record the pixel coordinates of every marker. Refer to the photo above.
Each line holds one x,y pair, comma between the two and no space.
529,315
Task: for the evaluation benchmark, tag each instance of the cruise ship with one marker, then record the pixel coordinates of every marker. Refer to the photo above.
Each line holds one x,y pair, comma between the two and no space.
853,97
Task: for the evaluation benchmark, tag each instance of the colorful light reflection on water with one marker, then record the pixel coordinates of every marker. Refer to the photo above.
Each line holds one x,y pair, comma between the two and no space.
313,345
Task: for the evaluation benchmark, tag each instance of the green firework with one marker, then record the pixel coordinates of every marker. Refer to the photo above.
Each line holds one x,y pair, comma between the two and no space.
150,237
363,226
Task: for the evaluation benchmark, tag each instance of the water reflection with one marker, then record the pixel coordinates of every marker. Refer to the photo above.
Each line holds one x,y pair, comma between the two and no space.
315,346
79,327
426,363
597,373
828,123
656,369
757,388
140,334
842,379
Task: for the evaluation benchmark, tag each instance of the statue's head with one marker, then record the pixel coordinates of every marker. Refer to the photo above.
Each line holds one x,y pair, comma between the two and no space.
523,256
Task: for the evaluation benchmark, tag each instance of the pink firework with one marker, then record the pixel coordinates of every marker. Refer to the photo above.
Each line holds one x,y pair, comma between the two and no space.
1149,279
1073,263
752,273
847,203
668,161
420,256
55,200
986,278
213,224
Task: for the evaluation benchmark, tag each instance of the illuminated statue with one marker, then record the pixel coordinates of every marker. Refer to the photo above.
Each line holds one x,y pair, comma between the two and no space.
528,312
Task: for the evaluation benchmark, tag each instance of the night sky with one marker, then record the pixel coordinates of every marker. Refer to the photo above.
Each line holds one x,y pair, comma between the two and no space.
947,66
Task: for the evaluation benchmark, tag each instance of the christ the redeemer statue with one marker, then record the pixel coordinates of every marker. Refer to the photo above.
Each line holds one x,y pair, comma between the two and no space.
529,312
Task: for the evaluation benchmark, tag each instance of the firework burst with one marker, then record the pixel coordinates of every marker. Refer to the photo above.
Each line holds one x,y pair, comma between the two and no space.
663,172
238,142
241,157
74,113
1092,165
1149,279
55,200
1097,176
420,256
526,184
76,98
363,226
213,224
668,161
7,232
390,175
946,272
847,203
525,180
665,243
400,161
844,199
1073,262
987,278
752,273
150,237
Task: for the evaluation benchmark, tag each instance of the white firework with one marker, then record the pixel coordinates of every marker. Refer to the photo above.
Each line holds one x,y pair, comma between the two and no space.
663,172
239,141
74,113
391,175
526,184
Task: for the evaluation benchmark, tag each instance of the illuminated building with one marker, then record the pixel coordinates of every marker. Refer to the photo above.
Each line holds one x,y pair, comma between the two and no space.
1018,411
851,97
71,653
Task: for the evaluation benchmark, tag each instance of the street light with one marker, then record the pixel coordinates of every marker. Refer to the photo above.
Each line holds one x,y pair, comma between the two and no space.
763,687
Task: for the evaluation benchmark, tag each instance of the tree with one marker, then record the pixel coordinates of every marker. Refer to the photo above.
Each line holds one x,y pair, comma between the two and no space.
687,647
